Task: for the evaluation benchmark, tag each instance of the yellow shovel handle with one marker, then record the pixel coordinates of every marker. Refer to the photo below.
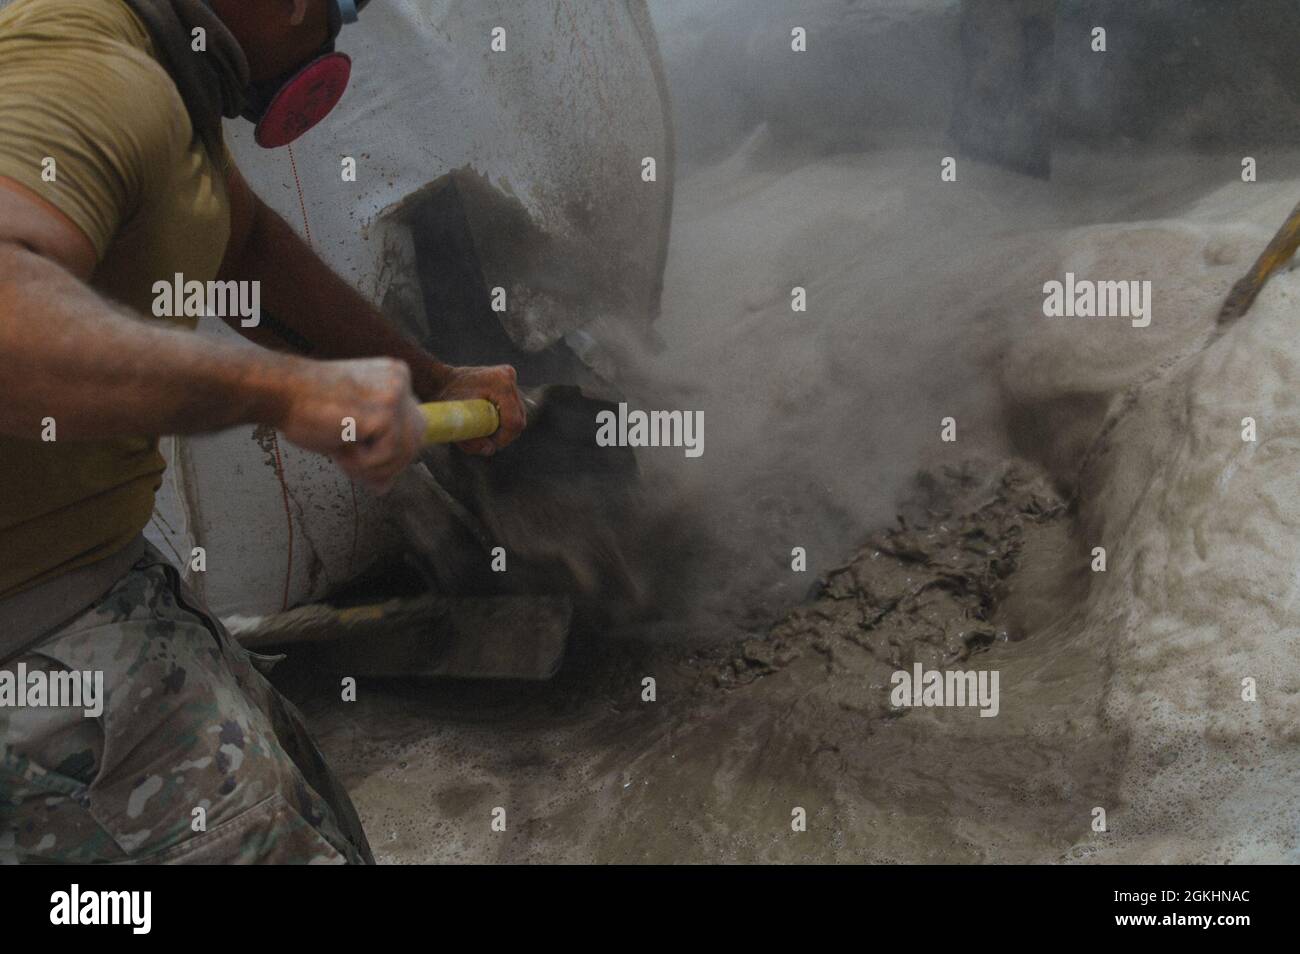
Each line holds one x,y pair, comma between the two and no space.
450,422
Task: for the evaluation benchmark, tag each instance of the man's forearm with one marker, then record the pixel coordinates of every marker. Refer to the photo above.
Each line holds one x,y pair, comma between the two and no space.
99,372
302,293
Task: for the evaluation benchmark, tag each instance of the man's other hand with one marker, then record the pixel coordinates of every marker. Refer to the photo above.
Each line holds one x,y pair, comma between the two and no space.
495,384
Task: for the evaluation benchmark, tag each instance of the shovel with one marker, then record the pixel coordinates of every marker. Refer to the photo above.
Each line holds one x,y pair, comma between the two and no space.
550,502
554,505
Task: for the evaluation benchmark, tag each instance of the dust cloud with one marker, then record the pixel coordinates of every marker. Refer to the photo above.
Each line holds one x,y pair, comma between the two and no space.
1123,690
816,419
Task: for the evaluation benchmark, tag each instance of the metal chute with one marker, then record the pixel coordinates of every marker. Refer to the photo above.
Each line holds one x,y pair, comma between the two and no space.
497,146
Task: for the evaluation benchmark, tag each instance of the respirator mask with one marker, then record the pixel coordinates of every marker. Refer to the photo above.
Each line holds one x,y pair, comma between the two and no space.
284,108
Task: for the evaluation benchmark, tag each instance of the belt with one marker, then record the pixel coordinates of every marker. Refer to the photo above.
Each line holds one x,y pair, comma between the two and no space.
28,617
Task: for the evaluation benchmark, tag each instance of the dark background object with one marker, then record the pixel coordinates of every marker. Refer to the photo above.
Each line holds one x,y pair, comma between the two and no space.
1005,99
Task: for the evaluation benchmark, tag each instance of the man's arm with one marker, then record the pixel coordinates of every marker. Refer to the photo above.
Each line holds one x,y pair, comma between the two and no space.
67,353
316,305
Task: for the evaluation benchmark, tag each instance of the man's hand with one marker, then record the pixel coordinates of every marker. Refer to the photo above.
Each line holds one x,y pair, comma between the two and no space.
495,384
375,393
320,308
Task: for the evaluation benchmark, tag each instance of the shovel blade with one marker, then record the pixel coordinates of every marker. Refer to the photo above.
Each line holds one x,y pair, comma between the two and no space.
496,637
501,637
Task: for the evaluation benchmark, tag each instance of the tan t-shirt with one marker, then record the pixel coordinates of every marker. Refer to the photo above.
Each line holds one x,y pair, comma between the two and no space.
91,122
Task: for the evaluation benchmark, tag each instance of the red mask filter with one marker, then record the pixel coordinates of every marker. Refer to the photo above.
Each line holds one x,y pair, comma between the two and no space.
302,101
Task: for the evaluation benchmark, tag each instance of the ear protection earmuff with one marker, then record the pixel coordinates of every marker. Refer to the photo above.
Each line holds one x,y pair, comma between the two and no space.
286,107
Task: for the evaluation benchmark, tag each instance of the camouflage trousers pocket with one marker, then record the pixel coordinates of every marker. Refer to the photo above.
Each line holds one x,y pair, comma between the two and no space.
271,832
194,756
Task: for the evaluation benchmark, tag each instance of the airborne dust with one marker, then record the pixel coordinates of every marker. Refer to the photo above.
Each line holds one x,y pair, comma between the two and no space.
1120,690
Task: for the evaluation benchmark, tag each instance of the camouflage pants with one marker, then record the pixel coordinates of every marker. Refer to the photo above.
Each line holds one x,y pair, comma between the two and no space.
195,758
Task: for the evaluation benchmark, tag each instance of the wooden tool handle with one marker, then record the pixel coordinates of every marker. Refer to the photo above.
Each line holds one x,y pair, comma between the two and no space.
450,422
1277,254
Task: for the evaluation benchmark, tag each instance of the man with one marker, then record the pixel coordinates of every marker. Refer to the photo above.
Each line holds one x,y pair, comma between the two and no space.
113,176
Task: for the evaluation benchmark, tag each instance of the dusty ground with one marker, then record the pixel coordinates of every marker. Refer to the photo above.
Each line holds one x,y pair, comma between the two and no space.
1120,690
739,735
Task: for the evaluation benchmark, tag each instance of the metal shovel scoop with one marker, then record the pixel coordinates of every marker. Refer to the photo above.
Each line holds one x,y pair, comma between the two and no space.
551,502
